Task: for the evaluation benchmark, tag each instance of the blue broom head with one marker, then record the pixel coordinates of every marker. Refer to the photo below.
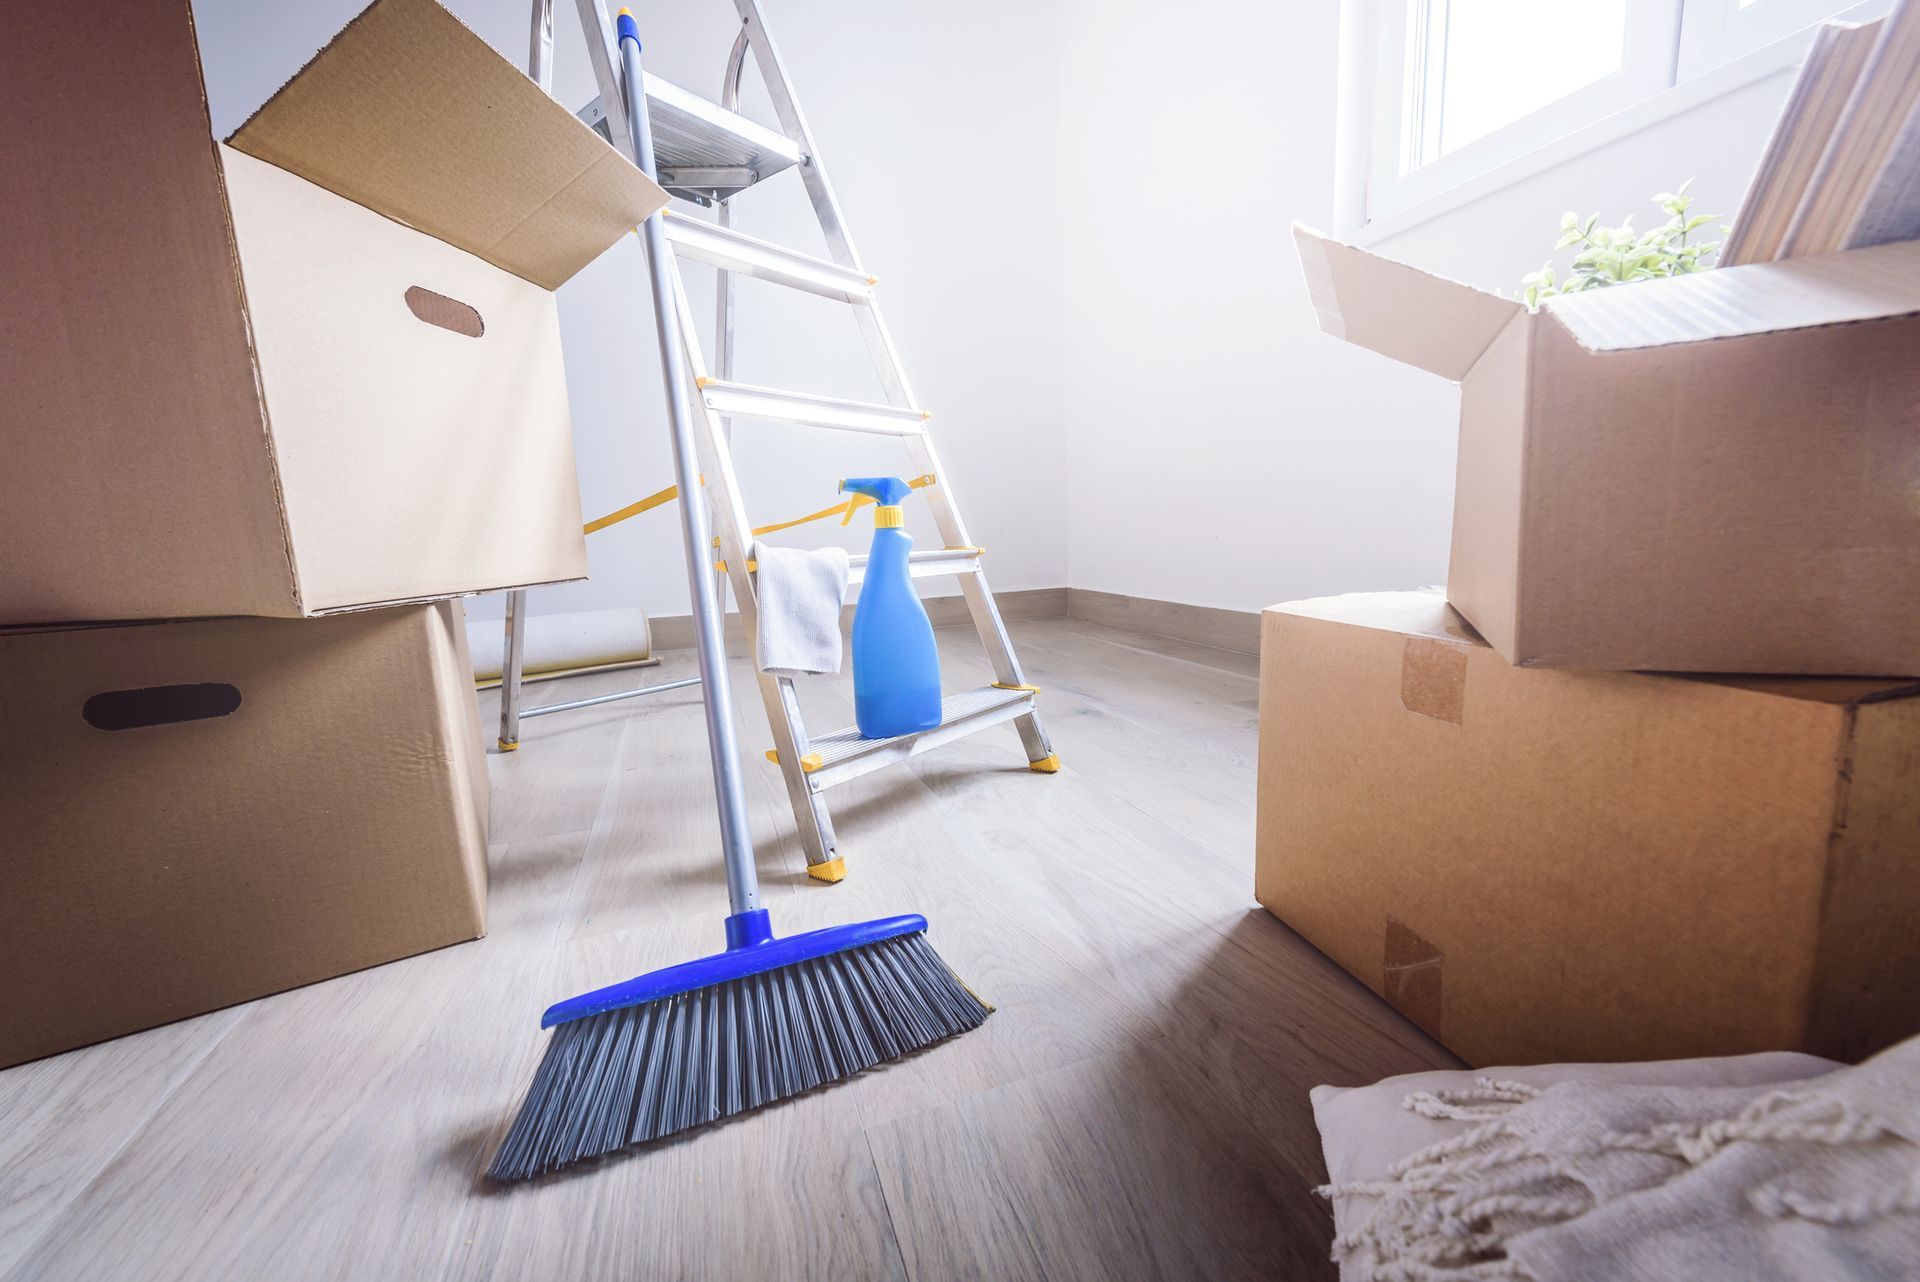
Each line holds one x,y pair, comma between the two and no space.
767,1019
752,949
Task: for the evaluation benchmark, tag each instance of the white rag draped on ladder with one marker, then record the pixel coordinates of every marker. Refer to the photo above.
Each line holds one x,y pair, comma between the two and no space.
1816,1179
798,594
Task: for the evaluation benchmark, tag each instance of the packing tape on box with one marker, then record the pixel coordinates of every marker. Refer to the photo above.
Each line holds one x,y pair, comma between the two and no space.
1433,678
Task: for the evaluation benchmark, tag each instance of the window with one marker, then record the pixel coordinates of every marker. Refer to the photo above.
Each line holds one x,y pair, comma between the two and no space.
1458,92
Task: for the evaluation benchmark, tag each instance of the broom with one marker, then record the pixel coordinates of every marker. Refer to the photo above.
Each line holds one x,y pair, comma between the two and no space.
769,1017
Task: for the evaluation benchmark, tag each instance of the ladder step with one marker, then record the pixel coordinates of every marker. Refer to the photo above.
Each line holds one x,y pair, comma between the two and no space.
735,252
701,149
845,755
747,401
923,565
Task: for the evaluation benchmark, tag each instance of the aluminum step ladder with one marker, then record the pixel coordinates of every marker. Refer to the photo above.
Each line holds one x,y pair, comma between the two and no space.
708,153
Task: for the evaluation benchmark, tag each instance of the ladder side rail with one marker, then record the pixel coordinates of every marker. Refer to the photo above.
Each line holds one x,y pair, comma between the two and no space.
735,531
984,610
826,204
540,47
603,50
826,207
723,320
513,643
986,615
886,357
794,123
723,214
511,661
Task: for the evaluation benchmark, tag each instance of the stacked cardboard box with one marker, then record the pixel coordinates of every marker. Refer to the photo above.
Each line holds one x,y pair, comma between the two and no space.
312,377
1491,809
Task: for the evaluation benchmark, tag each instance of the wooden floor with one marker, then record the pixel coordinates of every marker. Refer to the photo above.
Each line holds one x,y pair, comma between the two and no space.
1137,1107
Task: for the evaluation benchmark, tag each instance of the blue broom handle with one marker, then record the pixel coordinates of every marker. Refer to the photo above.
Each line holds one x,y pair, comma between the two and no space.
736,841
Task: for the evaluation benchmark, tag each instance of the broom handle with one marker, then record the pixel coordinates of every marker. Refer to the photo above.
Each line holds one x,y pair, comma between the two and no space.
736,841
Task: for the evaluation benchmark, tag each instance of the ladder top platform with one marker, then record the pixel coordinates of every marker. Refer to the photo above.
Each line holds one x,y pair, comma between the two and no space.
703,151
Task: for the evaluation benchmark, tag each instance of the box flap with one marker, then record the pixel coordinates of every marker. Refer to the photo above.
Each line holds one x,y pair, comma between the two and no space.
411,114
1756,298
1439,325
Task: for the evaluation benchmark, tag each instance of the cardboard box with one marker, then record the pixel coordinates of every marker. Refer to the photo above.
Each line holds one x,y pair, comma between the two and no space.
317,377
1575,866
1711,473
201,813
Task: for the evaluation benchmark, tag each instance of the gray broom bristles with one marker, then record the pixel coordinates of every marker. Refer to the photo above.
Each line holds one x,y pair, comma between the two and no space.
636,1074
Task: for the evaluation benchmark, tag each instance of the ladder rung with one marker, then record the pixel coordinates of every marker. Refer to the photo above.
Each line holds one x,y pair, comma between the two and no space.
747,401
845,755
924,565
691,134
735,252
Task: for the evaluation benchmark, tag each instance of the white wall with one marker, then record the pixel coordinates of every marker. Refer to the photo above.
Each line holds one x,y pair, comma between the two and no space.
952,194
1079,212
1225,452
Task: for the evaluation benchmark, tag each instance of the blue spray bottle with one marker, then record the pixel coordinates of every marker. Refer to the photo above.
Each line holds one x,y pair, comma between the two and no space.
896,666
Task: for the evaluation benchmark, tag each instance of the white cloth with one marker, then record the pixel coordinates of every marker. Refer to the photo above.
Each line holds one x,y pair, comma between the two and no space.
1365,1130
799,594
1696,1169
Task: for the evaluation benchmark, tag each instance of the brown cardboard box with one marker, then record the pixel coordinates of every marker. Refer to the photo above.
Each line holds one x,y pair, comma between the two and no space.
1711,473
1541,865
200,813
230,390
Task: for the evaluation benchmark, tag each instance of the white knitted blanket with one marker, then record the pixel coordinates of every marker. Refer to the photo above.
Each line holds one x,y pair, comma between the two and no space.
1818,1181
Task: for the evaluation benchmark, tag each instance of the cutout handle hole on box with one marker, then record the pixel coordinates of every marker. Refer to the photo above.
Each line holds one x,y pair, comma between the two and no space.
160,705
447,313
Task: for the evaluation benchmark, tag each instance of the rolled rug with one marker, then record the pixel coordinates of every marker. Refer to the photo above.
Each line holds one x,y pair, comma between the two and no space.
562,643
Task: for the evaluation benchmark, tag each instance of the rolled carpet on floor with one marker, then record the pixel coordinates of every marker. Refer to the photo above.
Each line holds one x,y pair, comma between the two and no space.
565,642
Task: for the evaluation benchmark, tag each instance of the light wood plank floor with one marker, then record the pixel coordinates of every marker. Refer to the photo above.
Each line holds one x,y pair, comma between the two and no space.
1137,1107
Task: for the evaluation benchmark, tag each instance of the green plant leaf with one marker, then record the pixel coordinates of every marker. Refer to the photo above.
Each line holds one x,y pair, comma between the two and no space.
1608,256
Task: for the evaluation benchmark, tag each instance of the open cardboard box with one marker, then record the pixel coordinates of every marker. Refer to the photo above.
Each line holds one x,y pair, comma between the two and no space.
1540,865
1715,473
204,812
315,371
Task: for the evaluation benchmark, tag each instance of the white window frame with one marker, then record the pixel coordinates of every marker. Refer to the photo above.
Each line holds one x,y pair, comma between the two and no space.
1678,54
1646,67
1717,32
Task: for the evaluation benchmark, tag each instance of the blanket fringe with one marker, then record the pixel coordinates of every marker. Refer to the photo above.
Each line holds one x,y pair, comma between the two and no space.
1448,1211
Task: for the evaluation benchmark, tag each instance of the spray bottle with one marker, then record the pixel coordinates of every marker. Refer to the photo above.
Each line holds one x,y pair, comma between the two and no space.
896,666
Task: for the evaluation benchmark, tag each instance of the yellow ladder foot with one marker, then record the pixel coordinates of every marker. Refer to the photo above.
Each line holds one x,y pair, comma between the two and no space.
835,869
509,747
1046,765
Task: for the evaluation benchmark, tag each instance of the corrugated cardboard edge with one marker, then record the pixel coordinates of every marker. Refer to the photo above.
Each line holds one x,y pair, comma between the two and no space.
286,84
1866,969
1824,291
259,381
331,610
604,156
1430,322
1532,399
467,760
1486,559
1321,292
